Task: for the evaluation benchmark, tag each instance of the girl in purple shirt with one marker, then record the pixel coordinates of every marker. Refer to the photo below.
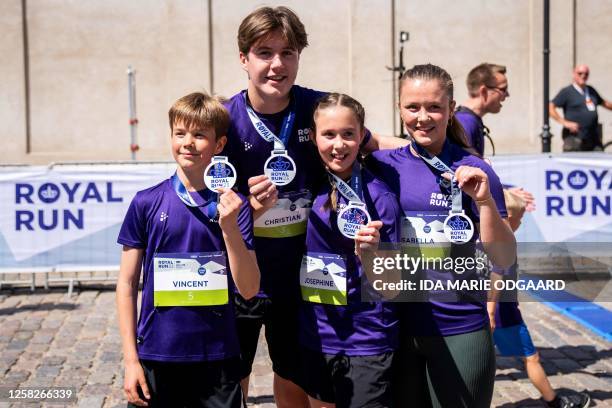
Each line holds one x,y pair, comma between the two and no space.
446,356
347,342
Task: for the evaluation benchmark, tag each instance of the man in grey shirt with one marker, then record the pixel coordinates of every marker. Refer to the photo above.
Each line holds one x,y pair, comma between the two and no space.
579,103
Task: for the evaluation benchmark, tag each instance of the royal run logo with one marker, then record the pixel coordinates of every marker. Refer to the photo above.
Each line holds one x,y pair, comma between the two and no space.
578,192
36,206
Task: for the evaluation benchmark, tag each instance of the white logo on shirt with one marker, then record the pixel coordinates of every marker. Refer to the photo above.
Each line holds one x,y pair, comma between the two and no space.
440,200
247,146
163,216
303,135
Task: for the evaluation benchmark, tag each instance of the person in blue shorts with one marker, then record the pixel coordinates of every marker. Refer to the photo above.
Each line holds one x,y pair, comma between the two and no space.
193,246
512,336
347,341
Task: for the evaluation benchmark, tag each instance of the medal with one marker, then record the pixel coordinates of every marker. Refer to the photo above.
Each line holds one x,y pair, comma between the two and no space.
355,215
219,173
458,227
280,168
351,218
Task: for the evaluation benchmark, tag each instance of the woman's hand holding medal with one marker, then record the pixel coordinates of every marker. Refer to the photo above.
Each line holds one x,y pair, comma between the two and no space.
472,181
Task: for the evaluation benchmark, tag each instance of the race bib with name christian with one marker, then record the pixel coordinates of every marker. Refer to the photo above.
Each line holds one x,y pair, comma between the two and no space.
288,218
323,278
190,279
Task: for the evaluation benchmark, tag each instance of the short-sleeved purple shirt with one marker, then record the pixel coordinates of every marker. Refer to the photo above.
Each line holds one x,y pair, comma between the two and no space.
158,222
473,126
359,328
420,191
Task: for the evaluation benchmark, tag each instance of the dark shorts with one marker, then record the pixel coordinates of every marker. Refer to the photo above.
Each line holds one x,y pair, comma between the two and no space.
348,381
453,371
280,319
211,384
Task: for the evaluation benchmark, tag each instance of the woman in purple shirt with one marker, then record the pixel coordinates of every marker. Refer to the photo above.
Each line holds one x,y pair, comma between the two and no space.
446,356
347,342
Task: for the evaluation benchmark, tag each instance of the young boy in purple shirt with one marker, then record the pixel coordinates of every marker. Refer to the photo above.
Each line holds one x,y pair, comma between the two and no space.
270,41
337,327
184,351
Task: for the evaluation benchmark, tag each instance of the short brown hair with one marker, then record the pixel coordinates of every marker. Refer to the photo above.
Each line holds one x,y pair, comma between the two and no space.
201,110
264,21
483,74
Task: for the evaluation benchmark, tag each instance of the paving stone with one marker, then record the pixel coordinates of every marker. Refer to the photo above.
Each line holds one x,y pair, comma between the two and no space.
566,365
92,401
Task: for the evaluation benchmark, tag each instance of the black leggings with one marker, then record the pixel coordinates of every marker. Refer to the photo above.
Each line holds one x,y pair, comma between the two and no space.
442,372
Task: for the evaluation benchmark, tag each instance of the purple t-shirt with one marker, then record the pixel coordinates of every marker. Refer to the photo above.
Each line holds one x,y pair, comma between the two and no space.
158,222
423,196
280,232
474,128
359,328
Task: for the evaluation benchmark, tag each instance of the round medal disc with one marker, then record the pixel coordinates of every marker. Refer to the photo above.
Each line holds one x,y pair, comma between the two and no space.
458,228
351,218
219,173
280,168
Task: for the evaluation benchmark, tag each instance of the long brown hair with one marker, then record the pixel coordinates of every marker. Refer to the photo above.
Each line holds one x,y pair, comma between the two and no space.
430,72
328,101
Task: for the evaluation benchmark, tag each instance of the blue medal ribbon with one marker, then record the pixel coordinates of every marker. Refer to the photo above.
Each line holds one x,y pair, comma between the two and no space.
353,191
439,165
280,142
210,198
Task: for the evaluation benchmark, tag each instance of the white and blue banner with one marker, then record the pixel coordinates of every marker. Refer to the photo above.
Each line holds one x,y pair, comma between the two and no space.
64,217
572,193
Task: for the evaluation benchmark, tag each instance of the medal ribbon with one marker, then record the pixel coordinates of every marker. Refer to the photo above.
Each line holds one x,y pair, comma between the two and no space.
210,208
354,190
267,134
457,204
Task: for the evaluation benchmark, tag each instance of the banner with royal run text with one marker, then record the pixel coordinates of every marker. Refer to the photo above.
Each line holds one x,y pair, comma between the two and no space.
67,216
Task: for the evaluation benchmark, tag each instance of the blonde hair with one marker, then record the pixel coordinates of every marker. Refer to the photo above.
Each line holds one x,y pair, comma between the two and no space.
266,20
514,204
200,110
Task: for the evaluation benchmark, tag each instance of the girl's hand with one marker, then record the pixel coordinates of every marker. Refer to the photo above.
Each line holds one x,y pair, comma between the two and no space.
134,378
473,181
368,237
228,207
263,193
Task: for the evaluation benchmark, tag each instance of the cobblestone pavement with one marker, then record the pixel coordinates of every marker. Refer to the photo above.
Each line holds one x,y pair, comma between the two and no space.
48,339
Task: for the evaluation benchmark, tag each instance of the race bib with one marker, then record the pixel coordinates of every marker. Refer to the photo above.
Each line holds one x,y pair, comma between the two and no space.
288,218
192,279
423,234
323,278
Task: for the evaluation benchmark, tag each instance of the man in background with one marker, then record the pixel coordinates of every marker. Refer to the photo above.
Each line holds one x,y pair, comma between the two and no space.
579,103
487,88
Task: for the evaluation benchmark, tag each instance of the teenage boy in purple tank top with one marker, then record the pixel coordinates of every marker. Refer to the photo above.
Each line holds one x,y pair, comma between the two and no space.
270,41
184,350
446,356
